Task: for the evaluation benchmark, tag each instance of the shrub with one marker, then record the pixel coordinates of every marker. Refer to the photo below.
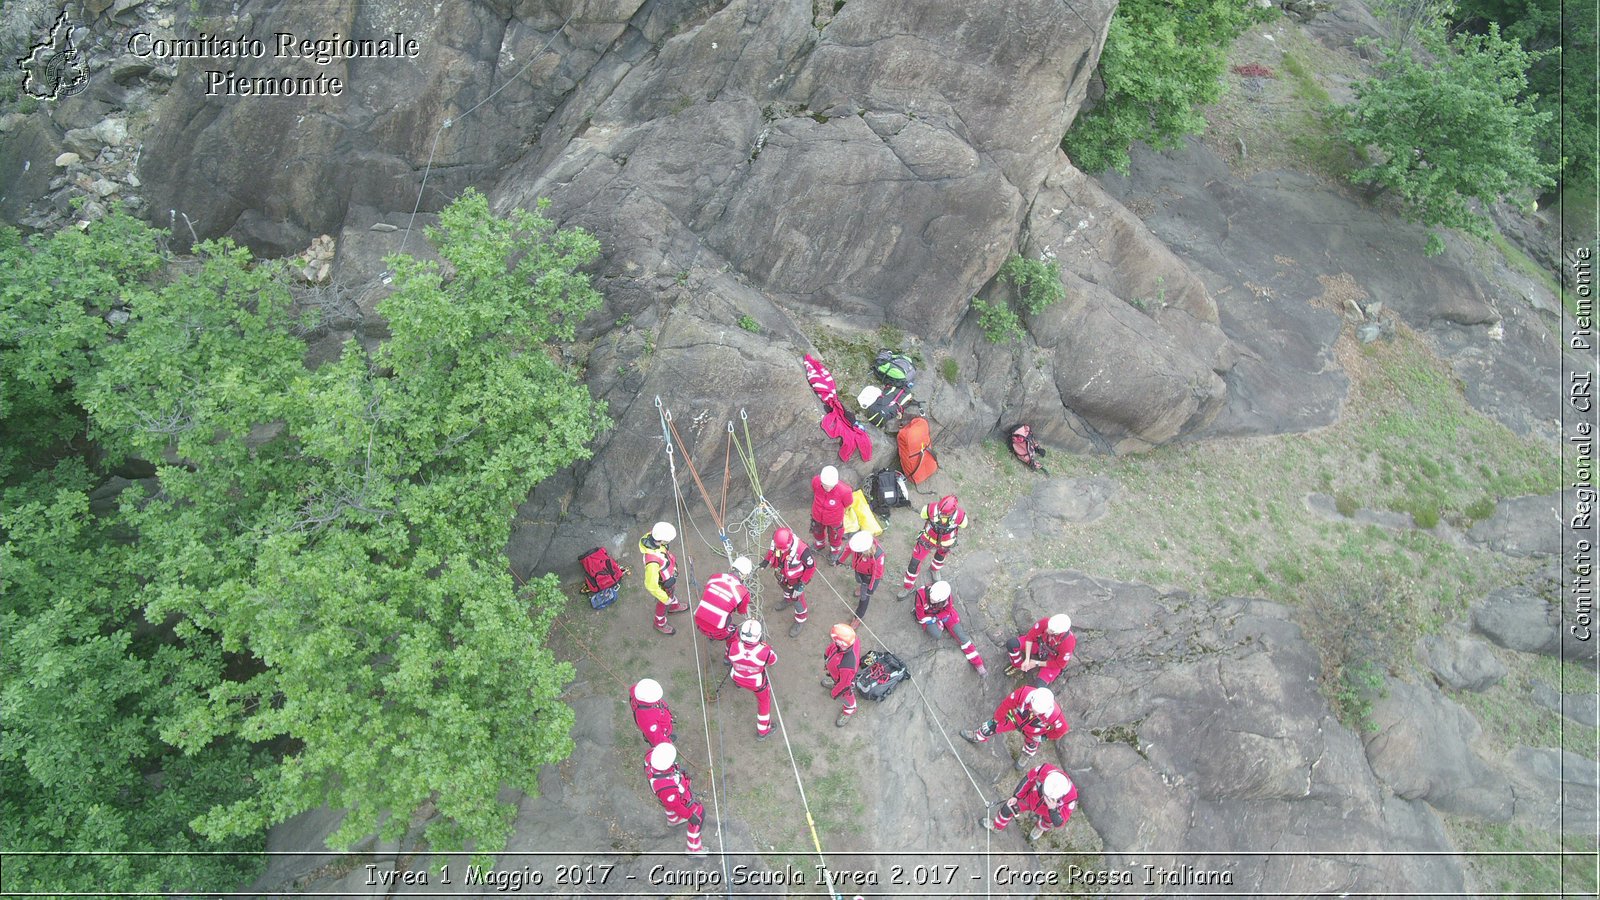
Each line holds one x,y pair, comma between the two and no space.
1037,283
949,370
1451,131
999,323
748,323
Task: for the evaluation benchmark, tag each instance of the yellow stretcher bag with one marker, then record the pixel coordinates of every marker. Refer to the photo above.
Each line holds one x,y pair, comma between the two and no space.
859,517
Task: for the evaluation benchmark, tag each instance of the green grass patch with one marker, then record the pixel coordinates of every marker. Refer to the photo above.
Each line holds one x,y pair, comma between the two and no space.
1304,82
1562,868
1523,263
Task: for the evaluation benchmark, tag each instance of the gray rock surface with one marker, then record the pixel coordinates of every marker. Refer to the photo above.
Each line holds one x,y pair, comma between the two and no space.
1061,501
1279,252
1523,526
1462,662
1581,708
1519,618
1421,746
1205,716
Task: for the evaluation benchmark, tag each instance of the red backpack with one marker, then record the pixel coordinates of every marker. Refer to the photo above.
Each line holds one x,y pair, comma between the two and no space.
600,571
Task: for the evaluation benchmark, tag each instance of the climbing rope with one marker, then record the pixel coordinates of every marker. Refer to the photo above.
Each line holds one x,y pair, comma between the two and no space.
678,505
427,169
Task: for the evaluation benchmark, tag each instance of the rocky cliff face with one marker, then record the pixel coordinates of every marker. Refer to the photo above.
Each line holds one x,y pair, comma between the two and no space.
819,170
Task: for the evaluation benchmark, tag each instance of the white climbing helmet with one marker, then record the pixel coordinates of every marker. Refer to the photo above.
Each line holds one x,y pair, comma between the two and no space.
1041,701
1056,784
829,477
663,755
742,566
1060,623
648,690
861,542
664,533
940,592
750,632
868,396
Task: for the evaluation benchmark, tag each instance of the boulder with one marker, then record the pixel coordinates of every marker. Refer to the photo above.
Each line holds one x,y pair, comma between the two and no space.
1580,708
1555,789
1057,502
1523,526
1421,747
1519,618
1462,662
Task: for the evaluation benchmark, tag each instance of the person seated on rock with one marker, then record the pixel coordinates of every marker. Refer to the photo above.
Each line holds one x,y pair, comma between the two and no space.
1045,649
935,611
1030,711
1045,791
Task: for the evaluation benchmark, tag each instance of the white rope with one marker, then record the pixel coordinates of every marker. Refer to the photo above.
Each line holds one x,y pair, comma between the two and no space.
694,637
474,108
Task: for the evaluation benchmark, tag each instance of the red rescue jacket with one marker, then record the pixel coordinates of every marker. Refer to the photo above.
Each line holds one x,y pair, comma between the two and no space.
842,664
828,504
724,595
654,720
750,663
1014,713
1030,797
946,614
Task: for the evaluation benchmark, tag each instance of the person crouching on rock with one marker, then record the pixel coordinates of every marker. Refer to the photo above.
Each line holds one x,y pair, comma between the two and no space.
935,611
1031,712
1045,791
840,661
670,784
1045,649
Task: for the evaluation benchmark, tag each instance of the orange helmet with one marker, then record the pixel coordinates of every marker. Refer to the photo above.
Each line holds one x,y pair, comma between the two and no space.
783,539
843,632
947,505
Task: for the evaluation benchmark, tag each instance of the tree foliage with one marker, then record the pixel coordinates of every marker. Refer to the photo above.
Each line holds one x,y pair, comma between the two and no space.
1451,130
309,604
1561,79
1163,59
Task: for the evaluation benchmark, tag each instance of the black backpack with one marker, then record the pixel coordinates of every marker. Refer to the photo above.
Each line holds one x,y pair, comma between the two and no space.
886,489
880,673
888,407
894,369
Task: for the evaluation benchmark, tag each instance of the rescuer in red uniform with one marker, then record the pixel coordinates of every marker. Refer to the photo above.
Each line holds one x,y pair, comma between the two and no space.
830,497
865,559
670,784
1045,791
792,561
935,611
724,596
1030,711
750,658
945,518
650,712
661,573
1045,649
840,661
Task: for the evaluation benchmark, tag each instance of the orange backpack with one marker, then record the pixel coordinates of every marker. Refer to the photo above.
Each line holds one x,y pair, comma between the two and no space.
916,451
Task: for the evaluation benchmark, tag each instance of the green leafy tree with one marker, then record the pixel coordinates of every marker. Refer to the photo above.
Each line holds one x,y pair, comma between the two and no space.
1163,59
1449,131
1561,80
324,550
